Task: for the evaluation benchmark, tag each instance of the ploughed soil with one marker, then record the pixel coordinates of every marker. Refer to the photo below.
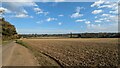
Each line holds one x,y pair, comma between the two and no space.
75,52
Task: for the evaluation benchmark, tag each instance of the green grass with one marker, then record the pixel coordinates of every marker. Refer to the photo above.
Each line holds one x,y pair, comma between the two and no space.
22,43
6,42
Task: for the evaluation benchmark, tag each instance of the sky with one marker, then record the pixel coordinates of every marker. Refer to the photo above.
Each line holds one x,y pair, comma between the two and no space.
61,17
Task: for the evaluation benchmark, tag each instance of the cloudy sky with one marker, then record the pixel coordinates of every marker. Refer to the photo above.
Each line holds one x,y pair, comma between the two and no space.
62,17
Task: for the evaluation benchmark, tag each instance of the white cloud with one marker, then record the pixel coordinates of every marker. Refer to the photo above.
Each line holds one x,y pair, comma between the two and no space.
27,3
80,20
38,10
109,18
96,16
18,0
105,6
97,11
4,10
77,13
22,16
54,0
18,8
60,23
79,8
34,4
111,5
39,22
114,12
111,15
113,27
98,21
104,19
59,0
87,22
51,19
46,13
101,19
114,18
97,3
95,26
13,6
61,15
24,11
106,15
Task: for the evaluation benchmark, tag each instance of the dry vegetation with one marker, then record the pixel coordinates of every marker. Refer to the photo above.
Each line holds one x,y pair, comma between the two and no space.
72,52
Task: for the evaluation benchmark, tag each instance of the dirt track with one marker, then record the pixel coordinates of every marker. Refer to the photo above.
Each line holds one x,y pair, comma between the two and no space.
16,55
62,52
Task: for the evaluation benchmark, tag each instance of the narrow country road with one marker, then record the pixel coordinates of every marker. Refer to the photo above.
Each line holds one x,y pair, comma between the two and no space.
14,54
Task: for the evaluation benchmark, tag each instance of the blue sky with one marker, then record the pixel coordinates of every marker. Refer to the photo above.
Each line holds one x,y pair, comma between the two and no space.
62,17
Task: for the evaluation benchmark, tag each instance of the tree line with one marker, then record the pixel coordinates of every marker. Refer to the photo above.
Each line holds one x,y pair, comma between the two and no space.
7,30
74,35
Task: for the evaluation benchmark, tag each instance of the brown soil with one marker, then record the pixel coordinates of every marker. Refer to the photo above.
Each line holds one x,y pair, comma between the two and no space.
72,52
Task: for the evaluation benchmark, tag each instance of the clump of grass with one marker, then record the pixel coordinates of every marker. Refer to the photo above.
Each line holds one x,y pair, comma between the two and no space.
42,58
5,42
22,43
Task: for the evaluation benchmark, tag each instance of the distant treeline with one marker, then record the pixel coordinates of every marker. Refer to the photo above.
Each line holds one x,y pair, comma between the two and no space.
73,35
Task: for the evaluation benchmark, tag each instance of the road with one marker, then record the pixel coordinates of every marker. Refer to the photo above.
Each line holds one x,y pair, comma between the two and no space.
0,55
14,54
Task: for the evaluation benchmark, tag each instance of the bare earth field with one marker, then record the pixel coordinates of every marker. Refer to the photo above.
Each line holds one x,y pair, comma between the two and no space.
74,52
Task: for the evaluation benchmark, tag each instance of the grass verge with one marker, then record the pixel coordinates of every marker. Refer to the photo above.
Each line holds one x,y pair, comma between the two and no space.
43,59
6,42
22,43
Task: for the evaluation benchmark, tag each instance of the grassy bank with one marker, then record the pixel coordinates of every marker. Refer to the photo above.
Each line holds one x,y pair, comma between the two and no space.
43,59
22,43
6,42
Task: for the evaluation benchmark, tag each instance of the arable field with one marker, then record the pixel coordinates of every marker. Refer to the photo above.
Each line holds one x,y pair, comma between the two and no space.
74,52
